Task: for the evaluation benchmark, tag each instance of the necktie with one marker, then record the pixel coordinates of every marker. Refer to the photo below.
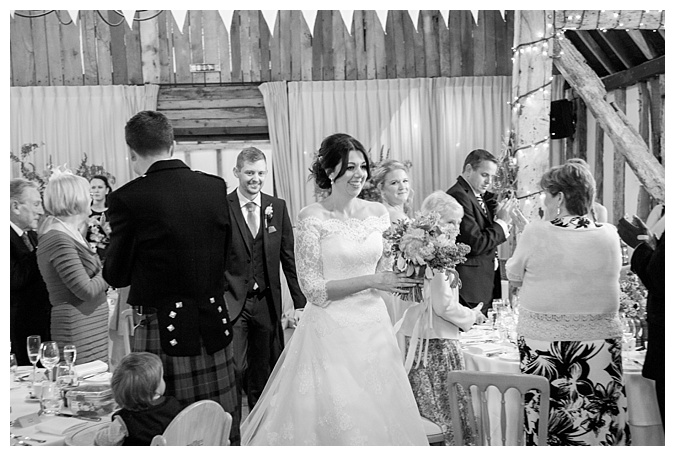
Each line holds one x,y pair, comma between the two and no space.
482,203
27,241
251,219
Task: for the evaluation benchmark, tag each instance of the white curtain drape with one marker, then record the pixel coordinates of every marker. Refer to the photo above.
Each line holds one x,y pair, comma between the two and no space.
433,122
67,122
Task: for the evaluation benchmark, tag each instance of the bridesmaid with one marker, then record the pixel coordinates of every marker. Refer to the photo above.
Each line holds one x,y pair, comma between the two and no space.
392,180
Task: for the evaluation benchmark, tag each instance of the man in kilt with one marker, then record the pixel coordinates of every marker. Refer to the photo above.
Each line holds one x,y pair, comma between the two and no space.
170,233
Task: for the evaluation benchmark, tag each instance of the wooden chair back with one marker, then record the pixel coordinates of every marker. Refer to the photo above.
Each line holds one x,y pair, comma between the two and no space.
502,382
203,423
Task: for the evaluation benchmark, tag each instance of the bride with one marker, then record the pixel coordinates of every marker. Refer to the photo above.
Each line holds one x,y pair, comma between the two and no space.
340,379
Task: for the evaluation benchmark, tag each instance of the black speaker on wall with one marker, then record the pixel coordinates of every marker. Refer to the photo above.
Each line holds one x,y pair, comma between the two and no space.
562,119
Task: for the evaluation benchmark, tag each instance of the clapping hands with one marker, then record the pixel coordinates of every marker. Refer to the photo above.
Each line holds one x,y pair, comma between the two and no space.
636,232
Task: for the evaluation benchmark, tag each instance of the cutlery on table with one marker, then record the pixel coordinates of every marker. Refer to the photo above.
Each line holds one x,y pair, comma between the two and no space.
85,418
23,437
21,443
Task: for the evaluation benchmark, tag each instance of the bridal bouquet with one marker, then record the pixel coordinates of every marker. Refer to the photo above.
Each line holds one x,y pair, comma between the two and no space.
424,245
98,232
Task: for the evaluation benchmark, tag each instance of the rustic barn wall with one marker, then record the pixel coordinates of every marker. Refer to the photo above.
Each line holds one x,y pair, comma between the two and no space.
49,49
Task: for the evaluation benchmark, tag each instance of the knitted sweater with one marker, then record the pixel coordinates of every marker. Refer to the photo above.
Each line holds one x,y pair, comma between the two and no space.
570,280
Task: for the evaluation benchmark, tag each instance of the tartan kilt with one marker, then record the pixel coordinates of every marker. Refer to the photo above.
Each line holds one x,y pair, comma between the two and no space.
194,378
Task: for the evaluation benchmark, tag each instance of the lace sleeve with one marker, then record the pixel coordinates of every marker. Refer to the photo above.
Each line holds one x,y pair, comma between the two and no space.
386,262
308,261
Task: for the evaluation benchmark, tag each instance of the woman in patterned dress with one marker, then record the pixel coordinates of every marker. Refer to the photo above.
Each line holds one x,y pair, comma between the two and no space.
569,329
429,376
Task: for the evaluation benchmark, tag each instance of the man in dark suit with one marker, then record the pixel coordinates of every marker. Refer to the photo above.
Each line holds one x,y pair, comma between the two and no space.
483,227
262,238
29,305
649,263
170,234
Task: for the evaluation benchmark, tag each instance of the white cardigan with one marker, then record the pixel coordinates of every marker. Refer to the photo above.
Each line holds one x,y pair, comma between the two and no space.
570,282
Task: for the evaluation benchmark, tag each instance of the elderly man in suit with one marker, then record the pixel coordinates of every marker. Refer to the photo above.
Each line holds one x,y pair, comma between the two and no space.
483,227
170,235
29,305
262,239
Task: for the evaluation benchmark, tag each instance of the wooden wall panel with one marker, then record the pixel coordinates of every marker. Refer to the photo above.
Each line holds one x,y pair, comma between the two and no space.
118,48
21,49
71,58
134,65
87,24
285,51
103,52
38,29
236,47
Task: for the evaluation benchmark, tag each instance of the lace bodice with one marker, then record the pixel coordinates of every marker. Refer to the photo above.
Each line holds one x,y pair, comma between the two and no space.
336,249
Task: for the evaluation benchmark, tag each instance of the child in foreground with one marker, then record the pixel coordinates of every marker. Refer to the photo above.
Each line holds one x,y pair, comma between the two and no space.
138,387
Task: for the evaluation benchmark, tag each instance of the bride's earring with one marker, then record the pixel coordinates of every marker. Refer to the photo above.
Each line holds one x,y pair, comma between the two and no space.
557,214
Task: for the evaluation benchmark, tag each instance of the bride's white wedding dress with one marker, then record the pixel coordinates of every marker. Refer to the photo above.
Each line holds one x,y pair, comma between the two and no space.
340,379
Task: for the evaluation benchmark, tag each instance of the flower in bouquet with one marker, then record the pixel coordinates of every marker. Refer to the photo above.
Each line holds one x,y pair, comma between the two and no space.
632,297
98,232
423,245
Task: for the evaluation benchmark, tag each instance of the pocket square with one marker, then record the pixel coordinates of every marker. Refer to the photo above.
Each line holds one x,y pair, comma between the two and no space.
271,229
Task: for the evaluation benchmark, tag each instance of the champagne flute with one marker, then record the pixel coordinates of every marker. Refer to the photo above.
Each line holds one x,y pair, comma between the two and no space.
69,356
33,344
49,355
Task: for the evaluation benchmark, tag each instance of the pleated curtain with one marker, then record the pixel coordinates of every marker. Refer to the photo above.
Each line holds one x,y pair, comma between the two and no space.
433,122
67,122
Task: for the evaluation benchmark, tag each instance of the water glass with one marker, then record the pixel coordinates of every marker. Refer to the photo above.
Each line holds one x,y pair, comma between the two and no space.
64,375
12,367
492,318
49,356
50,398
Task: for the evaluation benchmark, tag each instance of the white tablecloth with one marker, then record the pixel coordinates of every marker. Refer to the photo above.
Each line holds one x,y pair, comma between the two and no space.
643,411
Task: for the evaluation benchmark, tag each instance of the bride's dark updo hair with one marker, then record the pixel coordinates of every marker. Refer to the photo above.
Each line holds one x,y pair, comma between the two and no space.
334,151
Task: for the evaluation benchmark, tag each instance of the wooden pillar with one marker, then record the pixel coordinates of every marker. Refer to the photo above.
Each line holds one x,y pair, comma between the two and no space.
644,201
619,203
531,102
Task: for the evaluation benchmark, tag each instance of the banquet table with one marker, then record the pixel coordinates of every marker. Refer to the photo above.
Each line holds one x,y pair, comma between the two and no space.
21,405
481,354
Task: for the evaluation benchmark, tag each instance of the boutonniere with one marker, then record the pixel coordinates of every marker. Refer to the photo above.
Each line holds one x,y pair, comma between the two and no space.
269,212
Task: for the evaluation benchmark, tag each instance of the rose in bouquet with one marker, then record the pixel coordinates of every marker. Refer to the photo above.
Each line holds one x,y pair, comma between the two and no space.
633,297
423,245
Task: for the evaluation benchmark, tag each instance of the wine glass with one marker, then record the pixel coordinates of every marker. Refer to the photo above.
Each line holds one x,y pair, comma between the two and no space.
33,344
12,367
69,356
49,356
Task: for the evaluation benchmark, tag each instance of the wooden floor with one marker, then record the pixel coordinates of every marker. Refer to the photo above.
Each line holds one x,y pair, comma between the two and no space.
288,332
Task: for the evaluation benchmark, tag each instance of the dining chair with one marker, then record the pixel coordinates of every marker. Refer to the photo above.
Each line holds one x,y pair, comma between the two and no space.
203,423
434,432
501,383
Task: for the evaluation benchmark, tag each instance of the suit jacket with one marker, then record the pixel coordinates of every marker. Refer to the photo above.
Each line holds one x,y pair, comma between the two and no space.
483,235
650,266
170,233
278,245
30,308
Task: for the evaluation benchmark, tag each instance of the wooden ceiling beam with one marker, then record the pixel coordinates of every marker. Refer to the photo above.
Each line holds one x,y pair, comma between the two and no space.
633,75
596,50
610,19
641,43
625,138
617,48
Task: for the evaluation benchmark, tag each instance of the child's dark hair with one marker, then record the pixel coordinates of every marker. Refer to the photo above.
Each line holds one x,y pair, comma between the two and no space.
136,379
334,151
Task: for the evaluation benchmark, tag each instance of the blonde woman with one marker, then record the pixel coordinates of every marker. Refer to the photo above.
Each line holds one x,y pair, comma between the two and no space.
392,180
71,271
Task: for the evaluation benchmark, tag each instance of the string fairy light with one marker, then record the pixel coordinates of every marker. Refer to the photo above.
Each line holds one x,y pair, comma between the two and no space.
103,18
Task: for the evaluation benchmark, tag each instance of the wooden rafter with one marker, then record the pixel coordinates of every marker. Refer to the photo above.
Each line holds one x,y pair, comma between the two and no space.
625,138
617,48
641,43
597,52
638,73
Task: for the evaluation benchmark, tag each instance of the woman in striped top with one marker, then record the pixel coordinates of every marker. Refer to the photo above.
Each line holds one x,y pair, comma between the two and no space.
71,271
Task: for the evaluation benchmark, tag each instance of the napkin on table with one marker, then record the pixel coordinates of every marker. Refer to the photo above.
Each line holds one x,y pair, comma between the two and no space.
94,367
59,426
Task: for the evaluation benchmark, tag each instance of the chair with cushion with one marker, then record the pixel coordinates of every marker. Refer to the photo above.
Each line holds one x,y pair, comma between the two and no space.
203,423
501,404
